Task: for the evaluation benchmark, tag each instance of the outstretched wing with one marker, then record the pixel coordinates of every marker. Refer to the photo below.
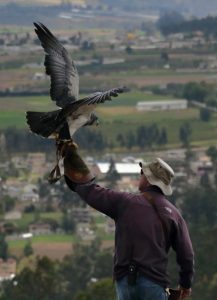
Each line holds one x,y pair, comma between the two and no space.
60,67
87,104
100,97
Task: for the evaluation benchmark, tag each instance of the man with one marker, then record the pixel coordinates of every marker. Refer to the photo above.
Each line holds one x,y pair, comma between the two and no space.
147,225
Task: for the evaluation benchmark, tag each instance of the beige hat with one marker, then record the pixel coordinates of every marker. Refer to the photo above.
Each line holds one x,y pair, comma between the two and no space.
159,173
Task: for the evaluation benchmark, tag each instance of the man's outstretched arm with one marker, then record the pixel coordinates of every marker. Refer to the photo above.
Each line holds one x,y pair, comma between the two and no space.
80,180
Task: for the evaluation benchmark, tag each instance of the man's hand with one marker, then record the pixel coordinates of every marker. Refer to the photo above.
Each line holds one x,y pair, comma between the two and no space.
184,293
74,166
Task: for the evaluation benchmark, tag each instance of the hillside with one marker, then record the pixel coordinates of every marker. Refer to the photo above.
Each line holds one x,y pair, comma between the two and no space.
197,8
191,7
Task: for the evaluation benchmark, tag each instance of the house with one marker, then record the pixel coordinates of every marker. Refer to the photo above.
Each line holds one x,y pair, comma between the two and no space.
19,162
81,215
203,165
109,61
13,215
84,232
13,187
2,228
110,226
37,162
7,269
39,76
162,105
30,193
40,228
122,168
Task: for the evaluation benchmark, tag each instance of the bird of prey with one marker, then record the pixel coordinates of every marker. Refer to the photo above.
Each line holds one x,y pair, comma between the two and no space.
73,112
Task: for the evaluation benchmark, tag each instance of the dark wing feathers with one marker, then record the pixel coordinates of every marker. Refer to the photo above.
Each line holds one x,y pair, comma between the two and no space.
101,97
81,106
59,66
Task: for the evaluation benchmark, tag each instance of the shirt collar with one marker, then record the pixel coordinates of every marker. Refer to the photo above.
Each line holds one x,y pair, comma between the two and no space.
153,188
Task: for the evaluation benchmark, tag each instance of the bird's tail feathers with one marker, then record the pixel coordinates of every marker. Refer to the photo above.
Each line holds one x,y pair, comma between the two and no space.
42,123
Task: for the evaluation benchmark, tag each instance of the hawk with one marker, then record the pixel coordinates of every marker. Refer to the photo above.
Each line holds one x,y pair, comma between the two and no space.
73,112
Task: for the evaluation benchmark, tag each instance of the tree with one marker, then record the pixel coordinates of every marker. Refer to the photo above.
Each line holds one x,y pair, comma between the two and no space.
162,139
28,250
10,228
129,50
43,282
3,247
120,139
68,224
212,153
205,114
165,56
43,188
189,155
29,208
211,99
77,269
196,91
130,140
112,175
212,287
103,264
87,45
168,20
204,181
141,137
103,289
7,203
199,206
185,133
152,134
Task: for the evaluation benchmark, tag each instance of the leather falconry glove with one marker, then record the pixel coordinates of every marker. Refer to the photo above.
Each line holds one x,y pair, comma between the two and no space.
74,166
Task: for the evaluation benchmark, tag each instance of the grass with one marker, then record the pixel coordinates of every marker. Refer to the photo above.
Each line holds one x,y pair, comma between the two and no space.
13,108
49,238
130,99
12,119
146,72
118,116
28,218
119,120
99,219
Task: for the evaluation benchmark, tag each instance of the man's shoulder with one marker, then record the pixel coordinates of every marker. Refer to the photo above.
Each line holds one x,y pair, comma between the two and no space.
171,210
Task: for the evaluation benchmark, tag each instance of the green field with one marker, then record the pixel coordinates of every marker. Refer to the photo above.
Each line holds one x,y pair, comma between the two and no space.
12,113
28,218
50,238
118,116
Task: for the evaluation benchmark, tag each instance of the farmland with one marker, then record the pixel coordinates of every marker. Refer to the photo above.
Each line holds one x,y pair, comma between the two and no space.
139,69
118,116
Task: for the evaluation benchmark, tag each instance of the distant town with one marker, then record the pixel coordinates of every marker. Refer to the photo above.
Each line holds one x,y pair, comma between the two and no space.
167,60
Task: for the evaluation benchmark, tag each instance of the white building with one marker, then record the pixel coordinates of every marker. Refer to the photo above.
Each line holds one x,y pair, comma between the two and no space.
121,168
13,215
84,232
162,105
7,269
40,228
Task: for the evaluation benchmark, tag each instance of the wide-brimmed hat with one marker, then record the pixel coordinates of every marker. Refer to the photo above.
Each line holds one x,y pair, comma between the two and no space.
159,173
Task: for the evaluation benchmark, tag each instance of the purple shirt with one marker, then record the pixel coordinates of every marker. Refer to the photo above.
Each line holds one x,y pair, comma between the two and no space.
139,235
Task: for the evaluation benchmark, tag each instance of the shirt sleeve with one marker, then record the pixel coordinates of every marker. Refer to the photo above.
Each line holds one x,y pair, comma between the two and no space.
102,199
184,253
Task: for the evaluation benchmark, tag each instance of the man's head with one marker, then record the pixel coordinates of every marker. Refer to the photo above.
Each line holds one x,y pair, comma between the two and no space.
157,173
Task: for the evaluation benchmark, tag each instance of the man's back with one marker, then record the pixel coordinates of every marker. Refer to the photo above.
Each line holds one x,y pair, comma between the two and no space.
139,235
